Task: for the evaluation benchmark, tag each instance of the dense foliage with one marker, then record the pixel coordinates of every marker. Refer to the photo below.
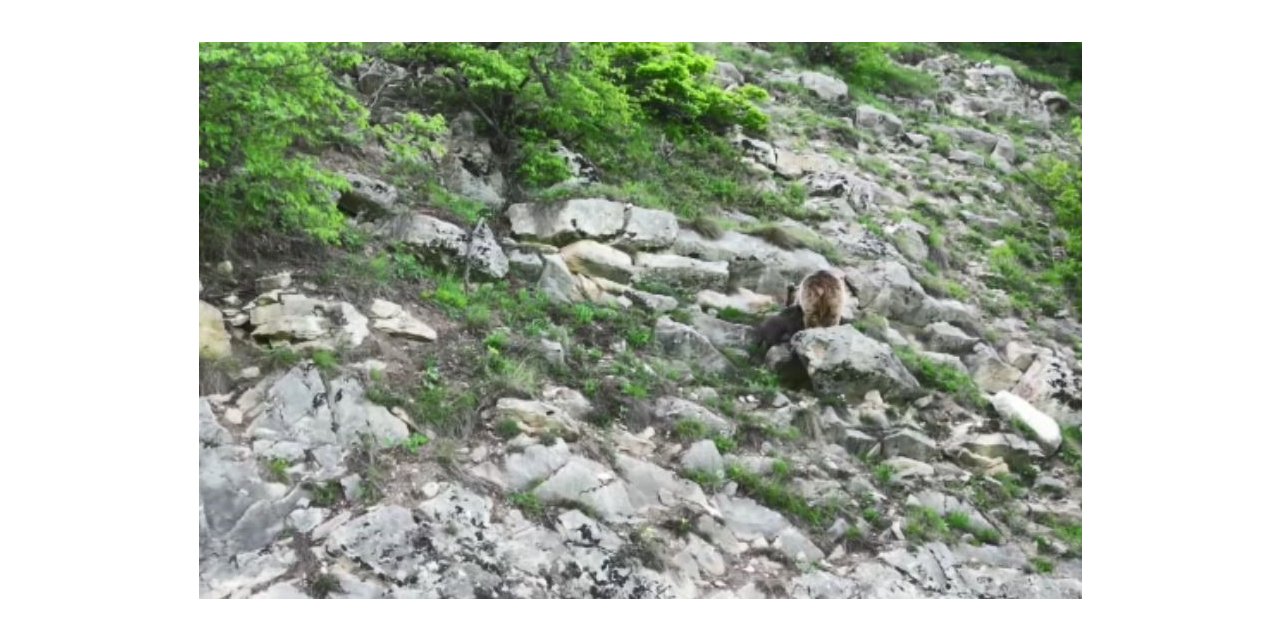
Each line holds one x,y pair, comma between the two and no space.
262,105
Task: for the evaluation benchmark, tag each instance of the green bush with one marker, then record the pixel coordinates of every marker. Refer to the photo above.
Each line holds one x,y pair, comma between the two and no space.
259,104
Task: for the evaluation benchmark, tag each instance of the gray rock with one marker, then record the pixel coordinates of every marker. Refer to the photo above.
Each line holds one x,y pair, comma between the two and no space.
535,416
651,488
565,221
552,352
358,419
557,281
368,197
393,319
1042,427
648,230
726,75
1055,101
944,359
685,343
990,373
858,443
592,258
215,342
444,242
915,139
967,157
906,469
525,265
535,464
999,445
909,241
944,337
653,301
671,410
797,547
1051,386
821,585
470,168
824,86
584,481
888,289
747,519
381,539
840,360
703,456
681,272
869,117
1021,354
909,443
722,334
211,433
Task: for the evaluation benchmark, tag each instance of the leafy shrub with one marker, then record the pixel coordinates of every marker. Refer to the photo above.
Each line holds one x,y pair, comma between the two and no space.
259,103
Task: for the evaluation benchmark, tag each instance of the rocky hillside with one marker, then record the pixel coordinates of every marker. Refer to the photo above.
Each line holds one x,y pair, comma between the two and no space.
500,385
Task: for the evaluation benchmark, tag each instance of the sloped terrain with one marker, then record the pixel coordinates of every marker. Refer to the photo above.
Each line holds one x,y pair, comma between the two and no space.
562,399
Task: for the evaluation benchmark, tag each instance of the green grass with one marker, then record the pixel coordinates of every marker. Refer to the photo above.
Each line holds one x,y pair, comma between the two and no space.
415,443
924,524
275,358
279,468
710,482
942,377
883,473
530,505
508,429
327,494
1042,565
775,495
725,444
689,430
326,361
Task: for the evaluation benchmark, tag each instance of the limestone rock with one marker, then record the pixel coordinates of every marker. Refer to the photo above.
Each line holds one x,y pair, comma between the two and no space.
214,340
842,360
592,258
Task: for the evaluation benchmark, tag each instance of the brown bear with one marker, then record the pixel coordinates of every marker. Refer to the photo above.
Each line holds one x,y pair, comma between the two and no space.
821,298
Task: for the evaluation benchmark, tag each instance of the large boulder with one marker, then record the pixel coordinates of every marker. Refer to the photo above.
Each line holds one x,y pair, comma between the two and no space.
470,167
592,258
647,230
444,242
1042,428
367,197
214,341
688,345
1053,387
879,121
948,338
840,360
308,322
824,86
681,272
568,220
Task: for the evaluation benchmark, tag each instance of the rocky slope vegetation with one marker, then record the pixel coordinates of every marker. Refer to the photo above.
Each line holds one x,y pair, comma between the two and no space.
503,391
